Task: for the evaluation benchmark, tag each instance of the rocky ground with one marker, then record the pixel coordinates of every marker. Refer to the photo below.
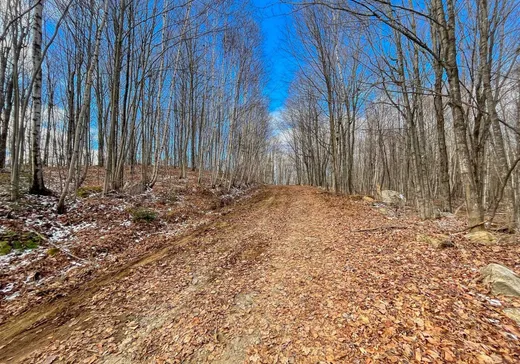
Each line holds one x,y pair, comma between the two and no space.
292,275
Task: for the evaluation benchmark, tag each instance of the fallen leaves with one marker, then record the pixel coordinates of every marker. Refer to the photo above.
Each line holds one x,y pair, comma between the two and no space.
295,279
96,235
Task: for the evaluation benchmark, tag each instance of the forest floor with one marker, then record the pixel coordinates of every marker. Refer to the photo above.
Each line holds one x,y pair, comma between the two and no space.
44,255
292,275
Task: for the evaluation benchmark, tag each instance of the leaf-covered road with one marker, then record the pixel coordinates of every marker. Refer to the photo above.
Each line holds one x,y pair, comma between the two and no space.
287,278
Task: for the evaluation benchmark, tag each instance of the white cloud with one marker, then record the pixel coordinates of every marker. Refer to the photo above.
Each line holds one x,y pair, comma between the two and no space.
281,132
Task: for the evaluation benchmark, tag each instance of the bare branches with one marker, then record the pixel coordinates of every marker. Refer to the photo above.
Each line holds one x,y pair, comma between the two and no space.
405,138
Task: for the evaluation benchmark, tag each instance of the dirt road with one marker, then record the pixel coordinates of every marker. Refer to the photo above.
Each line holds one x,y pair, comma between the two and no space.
289,278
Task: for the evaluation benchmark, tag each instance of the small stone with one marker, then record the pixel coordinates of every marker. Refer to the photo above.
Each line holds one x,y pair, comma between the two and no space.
436,241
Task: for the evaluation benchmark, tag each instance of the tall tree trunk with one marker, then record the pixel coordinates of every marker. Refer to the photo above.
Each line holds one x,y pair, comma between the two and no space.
441,139
100,119
16,135
6,117
469,178
112,154
517,212
38,185
3,121
50,110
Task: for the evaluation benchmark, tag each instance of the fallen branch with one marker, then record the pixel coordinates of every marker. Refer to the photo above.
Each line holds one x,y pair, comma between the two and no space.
56,246
468,228
380,228
458,209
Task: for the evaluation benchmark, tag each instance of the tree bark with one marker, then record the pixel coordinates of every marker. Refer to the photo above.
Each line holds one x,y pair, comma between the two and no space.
469,179
38,185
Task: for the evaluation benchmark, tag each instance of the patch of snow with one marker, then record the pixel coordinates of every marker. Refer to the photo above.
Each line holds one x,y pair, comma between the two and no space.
83,226
15,259
58,235
8,288
511,336
73,206
35,220
495,302
493,321
492,301
13,296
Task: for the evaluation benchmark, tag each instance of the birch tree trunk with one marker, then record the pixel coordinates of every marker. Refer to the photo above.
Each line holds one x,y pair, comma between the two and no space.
38,186
6,116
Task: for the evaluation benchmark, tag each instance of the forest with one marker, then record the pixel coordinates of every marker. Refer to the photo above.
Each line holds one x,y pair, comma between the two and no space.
422,99
117,84
181,84
322,180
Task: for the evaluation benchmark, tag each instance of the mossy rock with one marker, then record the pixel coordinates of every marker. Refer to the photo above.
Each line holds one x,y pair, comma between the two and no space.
5,247
87,191
31,240
143,215
52,251
31,244
481,236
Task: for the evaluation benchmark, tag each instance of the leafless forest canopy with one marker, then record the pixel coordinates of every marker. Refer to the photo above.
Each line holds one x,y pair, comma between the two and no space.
420,97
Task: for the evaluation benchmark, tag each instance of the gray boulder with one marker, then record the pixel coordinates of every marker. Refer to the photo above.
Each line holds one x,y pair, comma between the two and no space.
392,197
501,280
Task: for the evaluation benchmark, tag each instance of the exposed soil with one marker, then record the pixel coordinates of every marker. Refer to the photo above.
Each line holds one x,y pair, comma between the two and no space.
98,234
294,275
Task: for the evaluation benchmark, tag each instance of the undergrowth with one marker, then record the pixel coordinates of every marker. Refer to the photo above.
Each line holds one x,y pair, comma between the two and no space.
11,240
141,214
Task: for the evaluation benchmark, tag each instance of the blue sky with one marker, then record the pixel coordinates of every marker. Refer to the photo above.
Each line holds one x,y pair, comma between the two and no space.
275,19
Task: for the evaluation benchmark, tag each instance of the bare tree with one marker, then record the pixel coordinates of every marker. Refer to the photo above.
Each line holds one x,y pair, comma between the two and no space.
38,186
